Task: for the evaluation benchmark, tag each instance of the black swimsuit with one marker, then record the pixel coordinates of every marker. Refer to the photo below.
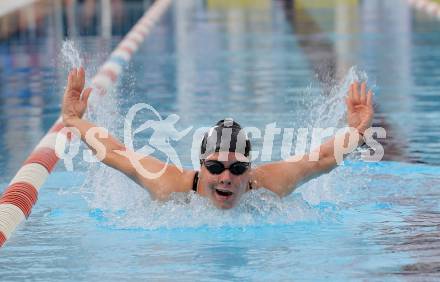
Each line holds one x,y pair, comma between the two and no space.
196,181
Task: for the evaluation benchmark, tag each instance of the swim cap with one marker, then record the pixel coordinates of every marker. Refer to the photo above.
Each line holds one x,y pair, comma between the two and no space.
226,136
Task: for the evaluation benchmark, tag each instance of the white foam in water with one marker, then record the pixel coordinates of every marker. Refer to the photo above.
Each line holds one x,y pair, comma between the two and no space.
71,57
129,208
123,204
101,109
330,111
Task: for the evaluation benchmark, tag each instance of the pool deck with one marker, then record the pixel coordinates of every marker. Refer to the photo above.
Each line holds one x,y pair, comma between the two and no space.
7,7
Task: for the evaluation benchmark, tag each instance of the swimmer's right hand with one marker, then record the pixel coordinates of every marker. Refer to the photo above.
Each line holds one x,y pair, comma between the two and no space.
75,97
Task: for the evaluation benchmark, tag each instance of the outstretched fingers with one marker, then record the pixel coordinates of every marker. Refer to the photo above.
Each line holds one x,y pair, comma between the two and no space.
359,95
356,96
76,81
85,95
350,99
349,103
370,99
70,79
81,75
350,92
363,96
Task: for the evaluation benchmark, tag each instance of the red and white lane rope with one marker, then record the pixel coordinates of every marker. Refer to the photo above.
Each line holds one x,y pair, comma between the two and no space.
22,193
430,7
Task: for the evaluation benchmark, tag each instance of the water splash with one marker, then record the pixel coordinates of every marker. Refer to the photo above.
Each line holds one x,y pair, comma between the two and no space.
257,208
330,111
119,203
102,111
331,108
70,55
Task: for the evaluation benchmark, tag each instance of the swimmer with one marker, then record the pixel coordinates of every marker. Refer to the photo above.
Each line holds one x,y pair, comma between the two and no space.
226,172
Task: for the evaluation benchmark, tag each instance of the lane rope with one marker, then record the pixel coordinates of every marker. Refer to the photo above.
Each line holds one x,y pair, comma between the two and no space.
22,192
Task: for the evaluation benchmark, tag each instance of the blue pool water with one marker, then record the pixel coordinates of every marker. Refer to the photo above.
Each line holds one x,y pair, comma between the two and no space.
259,62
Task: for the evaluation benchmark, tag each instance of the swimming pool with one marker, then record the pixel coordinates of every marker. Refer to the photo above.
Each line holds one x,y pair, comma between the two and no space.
259,62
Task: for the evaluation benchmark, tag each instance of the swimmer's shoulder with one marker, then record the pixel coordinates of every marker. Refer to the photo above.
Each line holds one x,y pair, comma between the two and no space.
171,181
255,179
188,179
183,181
271,176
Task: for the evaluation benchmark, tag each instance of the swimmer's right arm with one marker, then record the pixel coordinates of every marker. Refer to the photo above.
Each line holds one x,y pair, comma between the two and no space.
111,151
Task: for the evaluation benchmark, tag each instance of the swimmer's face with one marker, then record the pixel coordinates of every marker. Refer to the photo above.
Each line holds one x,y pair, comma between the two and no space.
224,189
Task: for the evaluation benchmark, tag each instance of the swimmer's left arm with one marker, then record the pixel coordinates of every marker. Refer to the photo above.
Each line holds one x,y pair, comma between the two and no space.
284,176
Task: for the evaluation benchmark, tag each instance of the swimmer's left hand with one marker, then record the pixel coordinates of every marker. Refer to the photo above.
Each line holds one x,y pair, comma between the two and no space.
359,107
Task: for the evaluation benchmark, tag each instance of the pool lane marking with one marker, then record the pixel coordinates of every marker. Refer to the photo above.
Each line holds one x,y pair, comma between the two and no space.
109,73
22,193
9,215
111,65
135,37
43,156
31,173
101,83
121,54
2,238
50,140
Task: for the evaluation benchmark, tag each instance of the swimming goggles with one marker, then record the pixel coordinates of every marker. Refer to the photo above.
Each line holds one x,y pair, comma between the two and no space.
216,167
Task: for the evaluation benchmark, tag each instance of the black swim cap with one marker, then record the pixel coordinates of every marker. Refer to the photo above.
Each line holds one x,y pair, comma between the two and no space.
226,136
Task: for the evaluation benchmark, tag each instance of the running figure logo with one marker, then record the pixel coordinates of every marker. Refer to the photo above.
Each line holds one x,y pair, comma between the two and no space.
163,131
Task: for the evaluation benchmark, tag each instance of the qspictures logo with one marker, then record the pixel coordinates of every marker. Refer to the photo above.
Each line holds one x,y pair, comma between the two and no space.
164,134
